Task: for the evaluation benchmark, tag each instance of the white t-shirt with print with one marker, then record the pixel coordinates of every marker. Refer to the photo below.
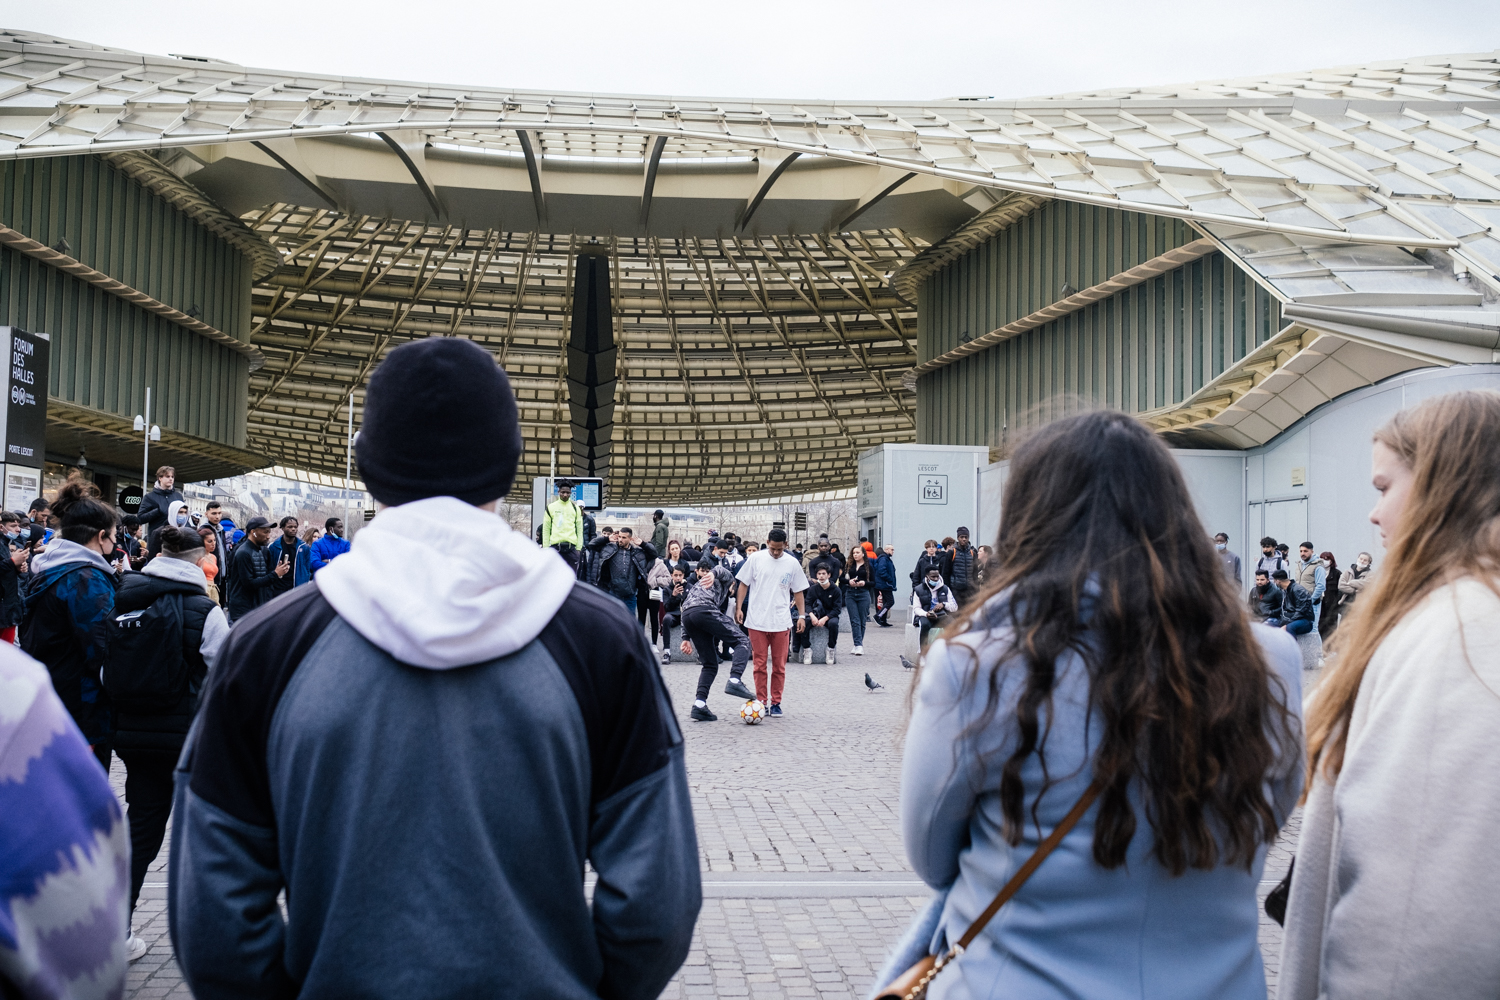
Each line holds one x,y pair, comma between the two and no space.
772,583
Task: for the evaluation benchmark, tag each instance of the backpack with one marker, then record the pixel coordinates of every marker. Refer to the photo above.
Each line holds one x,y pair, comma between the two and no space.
145,672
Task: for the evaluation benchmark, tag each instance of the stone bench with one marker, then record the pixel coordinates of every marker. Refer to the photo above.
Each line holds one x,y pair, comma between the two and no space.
1311,648
817,640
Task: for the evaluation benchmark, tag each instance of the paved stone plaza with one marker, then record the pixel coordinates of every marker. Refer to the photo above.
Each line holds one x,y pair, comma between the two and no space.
805,880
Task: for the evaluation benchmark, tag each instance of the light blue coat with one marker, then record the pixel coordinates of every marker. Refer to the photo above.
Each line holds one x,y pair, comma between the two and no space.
1075,929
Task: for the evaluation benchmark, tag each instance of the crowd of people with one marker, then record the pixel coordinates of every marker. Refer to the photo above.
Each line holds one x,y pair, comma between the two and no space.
128,615
1300,594
391,782
708,592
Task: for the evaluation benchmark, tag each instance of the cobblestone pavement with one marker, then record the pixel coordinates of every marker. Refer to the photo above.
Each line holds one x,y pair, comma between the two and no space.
805,879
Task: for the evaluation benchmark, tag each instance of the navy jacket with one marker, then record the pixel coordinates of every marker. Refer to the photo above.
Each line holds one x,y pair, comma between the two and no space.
302,562
885,572
432,826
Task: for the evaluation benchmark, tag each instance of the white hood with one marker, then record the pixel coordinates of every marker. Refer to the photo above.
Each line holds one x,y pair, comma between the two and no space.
439,583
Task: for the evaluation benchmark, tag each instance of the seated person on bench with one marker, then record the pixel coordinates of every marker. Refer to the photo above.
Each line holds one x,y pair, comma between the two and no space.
932,601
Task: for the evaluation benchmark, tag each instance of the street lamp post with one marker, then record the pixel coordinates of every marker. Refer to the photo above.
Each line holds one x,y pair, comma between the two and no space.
154,434
348,466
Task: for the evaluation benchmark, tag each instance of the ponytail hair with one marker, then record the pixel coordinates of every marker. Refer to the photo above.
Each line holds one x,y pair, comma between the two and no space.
80,513
176,541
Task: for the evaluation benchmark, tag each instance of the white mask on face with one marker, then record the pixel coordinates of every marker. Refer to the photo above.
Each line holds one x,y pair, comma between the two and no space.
1221,546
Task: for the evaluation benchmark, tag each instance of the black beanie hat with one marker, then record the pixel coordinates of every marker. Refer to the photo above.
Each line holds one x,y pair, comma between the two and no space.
440,421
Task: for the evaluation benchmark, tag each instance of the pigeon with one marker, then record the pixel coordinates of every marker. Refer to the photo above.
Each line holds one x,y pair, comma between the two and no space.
871,684
907,664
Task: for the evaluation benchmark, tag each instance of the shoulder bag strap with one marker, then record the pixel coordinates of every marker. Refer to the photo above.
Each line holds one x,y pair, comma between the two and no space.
1032,863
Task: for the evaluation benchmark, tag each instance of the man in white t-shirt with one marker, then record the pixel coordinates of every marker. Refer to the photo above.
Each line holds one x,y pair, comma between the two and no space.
773,579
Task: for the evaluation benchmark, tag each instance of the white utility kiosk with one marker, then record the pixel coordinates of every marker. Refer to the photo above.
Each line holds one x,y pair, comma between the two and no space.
909,493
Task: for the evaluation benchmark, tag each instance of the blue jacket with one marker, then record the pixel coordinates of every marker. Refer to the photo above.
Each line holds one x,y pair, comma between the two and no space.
70,600
1074,929
302,564
885,572
324,550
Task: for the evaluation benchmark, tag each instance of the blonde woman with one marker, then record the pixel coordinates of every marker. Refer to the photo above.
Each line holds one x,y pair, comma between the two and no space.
1396,892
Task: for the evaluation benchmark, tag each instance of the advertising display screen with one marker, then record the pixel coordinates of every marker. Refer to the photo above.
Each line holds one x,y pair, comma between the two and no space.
589,493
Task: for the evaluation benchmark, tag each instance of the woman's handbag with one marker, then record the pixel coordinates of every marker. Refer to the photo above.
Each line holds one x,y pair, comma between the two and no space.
1277,898
912,984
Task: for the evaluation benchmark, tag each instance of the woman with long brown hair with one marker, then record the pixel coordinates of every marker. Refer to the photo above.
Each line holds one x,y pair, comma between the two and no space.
1106,651
1396,892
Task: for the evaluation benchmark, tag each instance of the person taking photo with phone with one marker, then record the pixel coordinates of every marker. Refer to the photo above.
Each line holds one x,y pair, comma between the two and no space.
252,571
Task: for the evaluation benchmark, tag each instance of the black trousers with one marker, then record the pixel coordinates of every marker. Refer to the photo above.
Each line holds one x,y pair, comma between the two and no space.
148,792
703,627
833,633
888,601
645,609
669,621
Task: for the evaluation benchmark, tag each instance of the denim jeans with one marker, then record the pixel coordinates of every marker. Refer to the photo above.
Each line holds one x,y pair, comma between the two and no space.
858,603
628,601
1299,627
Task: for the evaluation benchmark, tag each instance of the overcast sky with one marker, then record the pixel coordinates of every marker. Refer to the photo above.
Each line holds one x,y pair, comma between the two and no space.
780,48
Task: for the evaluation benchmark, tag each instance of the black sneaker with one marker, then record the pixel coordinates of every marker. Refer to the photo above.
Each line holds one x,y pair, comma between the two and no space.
774,711
703,714
737,688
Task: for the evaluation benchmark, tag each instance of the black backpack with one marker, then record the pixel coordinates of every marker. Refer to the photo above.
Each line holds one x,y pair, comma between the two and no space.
145,672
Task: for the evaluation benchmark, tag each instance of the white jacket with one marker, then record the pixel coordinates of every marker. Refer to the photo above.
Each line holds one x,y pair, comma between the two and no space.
1396,892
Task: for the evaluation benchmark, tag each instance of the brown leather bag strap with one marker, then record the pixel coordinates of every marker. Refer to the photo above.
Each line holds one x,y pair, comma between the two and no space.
1032,863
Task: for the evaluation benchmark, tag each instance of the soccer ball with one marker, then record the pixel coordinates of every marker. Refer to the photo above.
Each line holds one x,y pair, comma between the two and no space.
753,712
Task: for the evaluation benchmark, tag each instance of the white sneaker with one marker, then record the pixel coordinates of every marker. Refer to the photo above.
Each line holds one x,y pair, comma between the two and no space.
666,656
859,651
807,656
828,658
134,948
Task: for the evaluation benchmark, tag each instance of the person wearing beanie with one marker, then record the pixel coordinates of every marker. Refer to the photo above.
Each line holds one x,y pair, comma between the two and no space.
156,688
427,746
958,567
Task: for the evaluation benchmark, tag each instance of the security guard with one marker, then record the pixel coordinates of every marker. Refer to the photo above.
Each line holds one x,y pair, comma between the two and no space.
562,524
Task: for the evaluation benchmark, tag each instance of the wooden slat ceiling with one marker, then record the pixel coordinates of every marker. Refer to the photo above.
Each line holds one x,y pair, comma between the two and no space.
747,366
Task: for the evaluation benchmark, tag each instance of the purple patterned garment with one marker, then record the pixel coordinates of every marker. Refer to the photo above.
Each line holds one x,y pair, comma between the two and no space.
64,852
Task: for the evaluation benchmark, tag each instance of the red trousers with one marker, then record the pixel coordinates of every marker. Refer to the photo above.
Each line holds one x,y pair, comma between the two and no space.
775,643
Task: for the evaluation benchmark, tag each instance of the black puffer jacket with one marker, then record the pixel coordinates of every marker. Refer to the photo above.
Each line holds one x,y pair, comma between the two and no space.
167,730
960,568
925,562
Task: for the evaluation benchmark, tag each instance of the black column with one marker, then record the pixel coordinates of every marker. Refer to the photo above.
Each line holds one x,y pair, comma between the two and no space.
591,364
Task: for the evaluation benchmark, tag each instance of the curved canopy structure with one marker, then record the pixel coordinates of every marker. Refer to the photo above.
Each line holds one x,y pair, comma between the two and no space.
713,298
